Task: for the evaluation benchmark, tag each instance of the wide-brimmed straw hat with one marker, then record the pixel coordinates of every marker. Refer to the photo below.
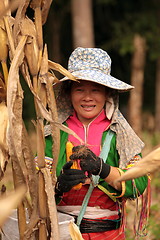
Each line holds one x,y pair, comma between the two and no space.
94,64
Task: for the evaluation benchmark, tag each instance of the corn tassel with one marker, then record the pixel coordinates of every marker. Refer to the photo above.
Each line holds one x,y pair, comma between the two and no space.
69,147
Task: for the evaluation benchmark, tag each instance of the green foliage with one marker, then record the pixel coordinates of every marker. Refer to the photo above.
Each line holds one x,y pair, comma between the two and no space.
153,222
28,105
156,183
118,21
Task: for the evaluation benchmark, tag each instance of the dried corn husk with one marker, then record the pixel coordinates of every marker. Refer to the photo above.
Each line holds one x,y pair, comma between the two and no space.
13,5
45,9
21,11
148,164
74,232
62,70
3,50
3,42
3,142
54,114
10,202
2,7
51,203
14,99
2,91
9,22
31,48
36,5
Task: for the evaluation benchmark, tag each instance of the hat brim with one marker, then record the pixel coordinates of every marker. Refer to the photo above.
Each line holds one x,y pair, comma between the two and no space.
98,76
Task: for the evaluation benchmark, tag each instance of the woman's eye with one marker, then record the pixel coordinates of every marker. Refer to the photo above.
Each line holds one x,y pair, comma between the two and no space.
79,89
96,90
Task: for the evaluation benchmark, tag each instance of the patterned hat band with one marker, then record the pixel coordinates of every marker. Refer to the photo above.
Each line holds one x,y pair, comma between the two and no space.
94,64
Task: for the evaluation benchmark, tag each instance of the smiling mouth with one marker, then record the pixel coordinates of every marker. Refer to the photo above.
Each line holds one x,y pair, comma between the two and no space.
88,108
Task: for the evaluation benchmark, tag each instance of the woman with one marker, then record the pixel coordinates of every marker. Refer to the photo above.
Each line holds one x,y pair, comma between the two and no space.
90,108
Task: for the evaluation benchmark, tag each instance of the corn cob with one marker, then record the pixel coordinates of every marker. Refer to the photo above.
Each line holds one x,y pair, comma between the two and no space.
69,147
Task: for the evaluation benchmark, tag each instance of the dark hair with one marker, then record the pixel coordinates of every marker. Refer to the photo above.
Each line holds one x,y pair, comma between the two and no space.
66,89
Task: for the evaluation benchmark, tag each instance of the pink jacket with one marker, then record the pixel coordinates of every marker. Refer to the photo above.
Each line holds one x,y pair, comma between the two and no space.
92,134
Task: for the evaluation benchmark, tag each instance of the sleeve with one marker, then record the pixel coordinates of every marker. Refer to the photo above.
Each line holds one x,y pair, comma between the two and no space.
62,153
131,188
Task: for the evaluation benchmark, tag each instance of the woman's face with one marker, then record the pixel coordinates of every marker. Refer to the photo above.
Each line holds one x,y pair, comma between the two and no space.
88,99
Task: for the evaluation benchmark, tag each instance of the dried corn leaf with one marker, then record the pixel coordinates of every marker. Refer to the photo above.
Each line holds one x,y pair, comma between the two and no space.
3,42
150,163
44,66
31,53
3,50
74,232
3,141
31,167
13,5
14,99
2,7
2,91
8,203
46,114
18,179
51,204
42,207
52,78
40,144
9,21
20,14
43,80
35,4
27,27
45,9
2,24
26,75
53,109
48,117
32,225
62,70
21,213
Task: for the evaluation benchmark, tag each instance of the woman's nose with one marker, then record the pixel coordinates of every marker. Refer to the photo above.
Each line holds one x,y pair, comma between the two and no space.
87,96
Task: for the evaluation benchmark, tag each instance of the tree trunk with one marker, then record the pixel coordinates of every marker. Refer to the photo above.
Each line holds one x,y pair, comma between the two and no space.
54,31
82,23
137,79
157,90
157,97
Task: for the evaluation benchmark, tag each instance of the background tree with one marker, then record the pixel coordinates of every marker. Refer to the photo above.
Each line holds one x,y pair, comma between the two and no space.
157,86
137,80
82,23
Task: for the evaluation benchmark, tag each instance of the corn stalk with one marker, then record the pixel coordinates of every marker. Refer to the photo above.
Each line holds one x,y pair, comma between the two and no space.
28,56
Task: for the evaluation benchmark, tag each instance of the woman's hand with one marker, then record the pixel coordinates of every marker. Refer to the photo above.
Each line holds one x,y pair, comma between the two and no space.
69,178
90,162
